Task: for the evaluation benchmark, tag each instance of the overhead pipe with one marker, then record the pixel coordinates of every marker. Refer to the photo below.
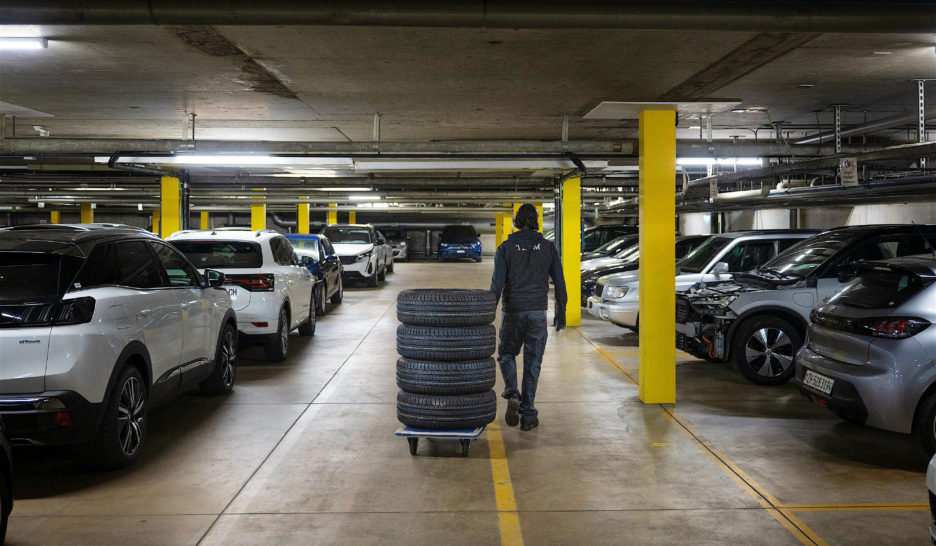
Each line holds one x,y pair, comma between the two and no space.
789,16
870,127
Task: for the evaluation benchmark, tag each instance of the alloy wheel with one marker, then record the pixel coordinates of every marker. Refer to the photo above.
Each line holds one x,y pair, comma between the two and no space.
131,415
228,355
769,352
284,331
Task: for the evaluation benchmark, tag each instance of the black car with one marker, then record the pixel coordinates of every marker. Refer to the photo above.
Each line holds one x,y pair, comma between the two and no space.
611,248
6,482
316,253
595,236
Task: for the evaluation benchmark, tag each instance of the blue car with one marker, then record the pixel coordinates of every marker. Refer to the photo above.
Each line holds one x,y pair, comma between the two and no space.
318,255
459,242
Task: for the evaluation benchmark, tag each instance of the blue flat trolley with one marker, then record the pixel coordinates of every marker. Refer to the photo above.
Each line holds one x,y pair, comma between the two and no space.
464,436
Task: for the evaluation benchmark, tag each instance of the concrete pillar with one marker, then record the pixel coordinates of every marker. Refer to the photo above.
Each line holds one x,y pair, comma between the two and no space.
170,206
352,217
156,221
332,213
657,208
539,216
87,213
572,248
302,217
55,217
205,220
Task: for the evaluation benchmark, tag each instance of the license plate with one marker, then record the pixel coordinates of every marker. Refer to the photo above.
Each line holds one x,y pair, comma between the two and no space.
461,251
819,382
232,292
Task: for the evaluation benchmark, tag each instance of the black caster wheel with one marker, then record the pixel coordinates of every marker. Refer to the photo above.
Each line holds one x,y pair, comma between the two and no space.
413,444
464,446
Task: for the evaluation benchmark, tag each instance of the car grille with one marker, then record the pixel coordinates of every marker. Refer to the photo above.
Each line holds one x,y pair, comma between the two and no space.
599,288
348,260
683,309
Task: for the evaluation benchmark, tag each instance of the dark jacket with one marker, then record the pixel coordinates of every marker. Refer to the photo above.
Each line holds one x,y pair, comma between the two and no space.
522,268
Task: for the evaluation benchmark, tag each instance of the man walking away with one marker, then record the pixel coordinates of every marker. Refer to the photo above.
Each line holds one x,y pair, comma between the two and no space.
522,268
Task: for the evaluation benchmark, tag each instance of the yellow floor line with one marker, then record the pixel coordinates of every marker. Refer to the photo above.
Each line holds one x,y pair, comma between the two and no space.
507,515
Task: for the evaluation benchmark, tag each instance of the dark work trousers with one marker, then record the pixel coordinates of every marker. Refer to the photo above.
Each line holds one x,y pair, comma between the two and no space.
526,329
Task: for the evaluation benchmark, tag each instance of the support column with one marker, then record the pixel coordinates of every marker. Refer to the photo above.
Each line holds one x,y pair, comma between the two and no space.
87,213
170,206
499,229
516,207
302,217
55,217
205,220
539,216
657,208
572,248
332,213
507,220
156,221
352,217
258,216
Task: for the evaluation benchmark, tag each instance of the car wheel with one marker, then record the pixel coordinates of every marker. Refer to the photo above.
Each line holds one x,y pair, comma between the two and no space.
763,349
6,502
221,380
123,427
924,425
339,294
382,274
277,348
373,281
320,300
307,328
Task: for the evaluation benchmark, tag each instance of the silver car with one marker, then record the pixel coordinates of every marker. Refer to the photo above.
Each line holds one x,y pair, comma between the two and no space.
870,352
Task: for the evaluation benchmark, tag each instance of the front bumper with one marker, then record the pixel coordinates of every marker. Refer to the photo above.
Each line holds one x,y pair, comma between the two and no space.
620,313
846,399
399,253
452,253
37,418
359,270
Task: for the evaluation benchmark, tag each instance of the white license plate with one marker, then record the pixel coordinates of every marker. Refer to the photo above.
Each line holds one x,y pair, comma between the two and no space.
819,382
232,292
461,251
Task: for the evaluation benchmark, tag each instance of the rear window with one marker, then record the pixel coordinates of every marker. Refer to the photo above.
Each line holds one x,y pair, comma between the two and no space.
878,289
459,234
29,276
347,235
221,254
306,248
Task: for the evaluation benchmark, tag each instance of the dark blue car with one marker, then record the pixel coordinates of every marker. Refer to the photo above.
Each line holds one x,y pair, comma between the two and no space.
319,256
459,242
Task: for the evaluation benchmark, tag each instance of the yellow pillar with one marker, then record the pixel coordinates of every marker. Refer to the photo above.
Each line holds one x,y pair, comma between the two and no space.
572,248
87,213
539,216
352,217
55,217
507,222
332,213
205,220
302,217
156,221
170,206
657,208
258,213
516,207
499,228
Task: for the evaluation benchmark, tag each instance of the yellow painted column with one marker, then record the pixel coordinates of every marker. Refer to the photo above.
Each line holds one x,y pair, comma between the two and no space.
302,217
657,208
156,219
352,217
170,206
55,217
87,213
572,248
499,228
539,216
258,213
508,222
205,220
332,213
516,207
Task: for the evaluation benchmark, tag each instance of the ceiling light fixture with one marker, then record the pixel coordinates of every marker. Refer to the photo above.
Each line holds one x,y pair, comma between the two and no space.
23,43
364,197
231,160
805,85
882,52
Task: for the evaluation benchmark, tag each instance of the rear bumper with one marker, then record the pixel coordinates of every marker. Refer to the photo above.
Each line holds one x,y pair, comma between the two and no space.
34,418
846,398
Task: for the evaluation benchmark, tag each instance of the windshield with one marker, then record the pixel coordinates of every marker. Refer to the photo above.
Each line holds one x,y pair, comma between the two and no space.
627,253
615,245
695,261
458,234
799,260
221,254
28,276
348,235
306,248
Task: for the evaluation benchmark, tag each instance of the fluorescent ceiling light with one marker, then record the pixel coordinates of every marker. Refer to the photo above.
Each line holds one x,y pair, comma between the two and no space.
364,197
23,43
720,161
230,160
464,165
20,31
341,188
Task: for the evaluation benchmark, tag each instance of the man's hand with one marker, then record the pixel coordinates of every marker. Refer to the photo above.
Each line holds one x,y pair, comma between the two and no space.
560,318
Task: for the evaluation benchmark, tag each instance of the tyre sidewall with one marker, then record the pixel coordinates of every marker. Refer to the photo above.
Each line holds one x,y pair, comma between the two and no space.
743,335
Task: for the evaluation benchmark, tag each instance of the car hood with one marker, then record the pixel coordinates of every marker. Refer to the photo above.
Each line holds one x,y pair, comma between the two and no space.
598,262
349,249
620,279
609,269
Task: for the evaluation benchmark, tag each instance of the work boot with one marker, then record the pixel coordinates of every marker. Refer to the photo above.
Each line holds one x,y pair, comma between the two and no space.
513,411
529,424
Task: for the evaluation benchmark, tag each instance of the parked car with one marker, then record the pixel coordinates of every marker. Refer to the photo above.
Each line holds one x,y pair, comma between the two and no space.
98,326
626,248
364,253
396,238
459,242
758,320
616,296
931,487
610,248
6,482
595,236
870,351
317,254
270,291
630,261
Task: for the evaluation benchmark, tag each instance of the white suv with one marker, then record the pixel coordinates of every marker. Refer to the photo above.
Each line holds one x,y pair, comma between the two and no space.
363,251
97,325
270,290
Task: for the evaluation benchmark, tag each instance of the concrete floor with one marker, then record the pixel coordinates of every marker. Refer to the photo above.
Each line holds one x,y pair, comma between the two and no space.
303,452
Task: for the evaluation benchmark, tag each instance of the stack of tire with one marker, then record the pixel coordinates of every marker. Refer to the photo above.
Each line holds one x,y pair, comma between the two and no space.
445,371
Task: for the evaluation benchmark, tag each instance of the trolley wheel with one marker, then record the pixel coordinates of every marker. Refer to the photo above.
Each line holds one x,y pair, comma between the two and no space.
413,444
464,446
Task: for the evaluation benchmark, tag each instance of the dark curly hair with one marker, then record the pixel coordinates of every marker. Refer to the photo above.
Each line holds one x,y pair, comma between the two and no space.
527,217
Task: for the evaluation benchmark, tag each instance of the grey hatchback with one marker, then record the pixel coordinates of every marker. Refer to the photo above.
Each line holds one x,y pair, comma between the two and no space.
870,353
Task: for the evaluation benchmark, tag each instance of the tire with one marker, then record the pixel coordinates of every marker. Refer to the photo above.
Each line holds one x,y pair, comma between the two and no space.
390,269
373,281
924,425
382,274
277,348
478,260
446,307
749,358
446,344
320,300
307,328
221,380
446,412
118,442
6,504
425,377
339,294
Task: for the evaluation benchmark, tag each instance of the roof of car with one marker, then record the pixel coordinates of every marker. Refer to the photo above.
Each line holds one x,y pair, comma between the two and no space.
371,226
761,232
224,234
303,236
52,237
920,264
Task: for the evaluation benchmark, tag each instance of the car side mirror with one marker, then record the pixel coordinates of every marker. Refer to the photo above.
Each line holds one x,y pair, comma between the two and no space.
331,257
720,267
215,278
306,260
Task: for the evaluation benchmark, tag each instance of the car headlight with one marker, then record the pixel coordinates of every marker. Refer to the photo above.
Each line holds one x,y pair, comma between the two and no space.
363,256
402,244
720,301
477,244
443,245
614,292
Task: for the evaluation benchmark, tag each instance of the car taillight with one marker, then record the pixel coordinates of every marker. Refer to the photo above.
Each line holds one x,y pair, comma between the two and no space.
76,311
253,283
895,327
60,313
